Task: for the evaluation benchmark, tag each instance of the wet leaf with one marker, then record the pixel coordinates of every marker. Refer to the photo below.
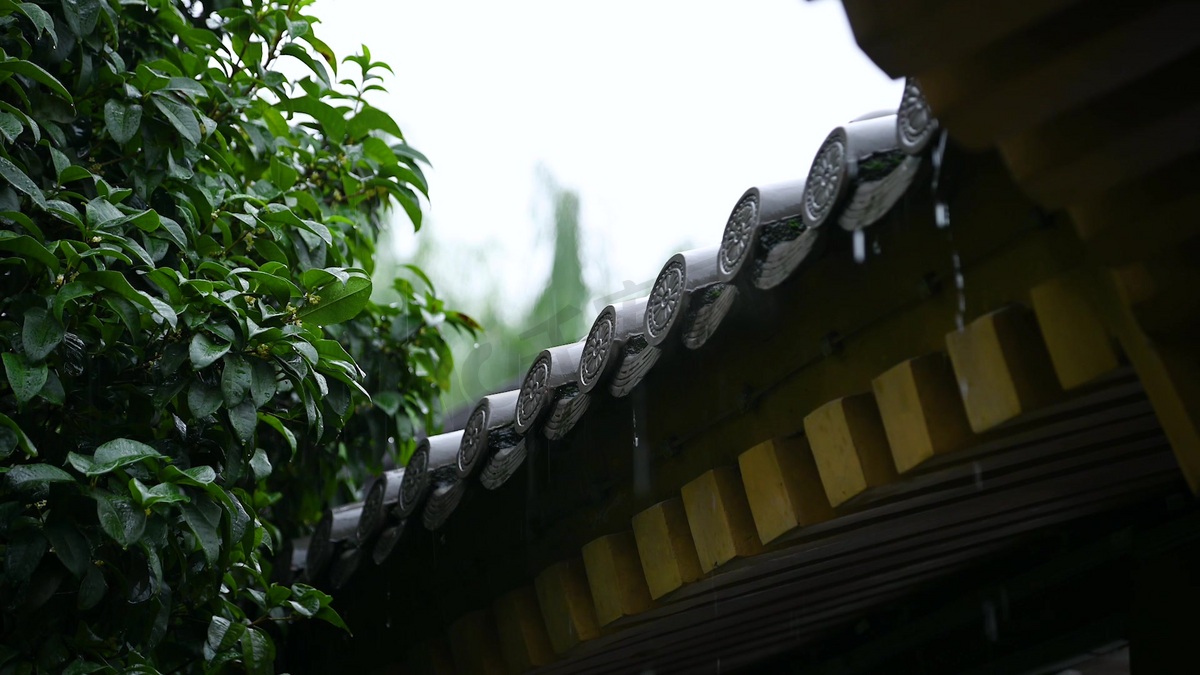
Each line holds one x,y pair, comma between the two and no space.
122,120
40,334
31,476
205,350
120,518
338,302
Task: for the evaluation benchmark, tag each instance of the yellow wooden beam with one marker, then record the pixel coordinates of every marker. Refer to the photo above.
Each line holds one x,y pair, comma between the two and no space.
719,518
849,446
475,646
783,487
1170,372
614,572
567,608
665,547
1081,347
1002,367
921,409
522,630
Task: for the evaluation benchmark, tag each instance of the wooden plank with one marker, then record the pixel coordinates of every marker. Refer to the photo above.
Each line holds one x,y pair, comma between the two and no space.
783,486
475,645
567,608
1080,346
849,446
719,518
614,572
921,409
522,630
1002,367
665,547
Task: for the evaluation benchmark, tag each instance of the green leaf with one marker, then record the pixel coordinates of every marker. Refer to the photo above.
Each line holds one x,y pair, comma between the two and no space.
113,455
204,524
299,53
186,86
260,465
201,475
282,176
203,400
8,442
22,441
235,379
40,334
10,126
331,617
243,418
81,16
25,379
40,20
203,351
262,382
338,302
276,424
66,294
29,247
371,119
70,546
92,588
258,652
27,476
120,518
69,174
23,553
119,284
37,74
17,178
223,634
122,120
332,120
182,117
163,493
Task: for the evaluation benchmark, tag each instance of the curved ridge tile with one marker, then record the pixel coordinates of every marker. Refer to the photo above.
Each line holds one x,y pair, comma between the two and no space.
915,123
681,298
381,498
638,358
872,199
505,463
434,461
709,310
553,374
850,153
442,502
782,243
604,348
566,413
345,566
336,526
386,543
493,412
758,208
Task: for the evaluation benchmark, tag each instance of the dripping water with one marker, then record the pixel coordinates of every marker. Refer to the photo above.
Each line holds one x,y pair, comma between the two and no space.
641,454
941,216
860,246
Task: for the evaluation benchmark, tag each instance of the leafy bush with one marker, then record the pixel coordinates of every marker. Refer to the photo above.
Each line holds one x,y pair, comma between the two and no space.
186,330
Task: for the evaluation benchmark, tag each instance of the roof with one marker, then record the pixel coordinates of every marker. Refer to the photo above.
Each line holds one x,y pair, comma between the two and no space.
896,370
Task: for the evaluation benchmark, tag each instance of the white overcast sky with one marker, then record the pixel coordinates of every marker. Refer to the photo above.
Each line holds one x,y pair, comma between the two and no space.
660,113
